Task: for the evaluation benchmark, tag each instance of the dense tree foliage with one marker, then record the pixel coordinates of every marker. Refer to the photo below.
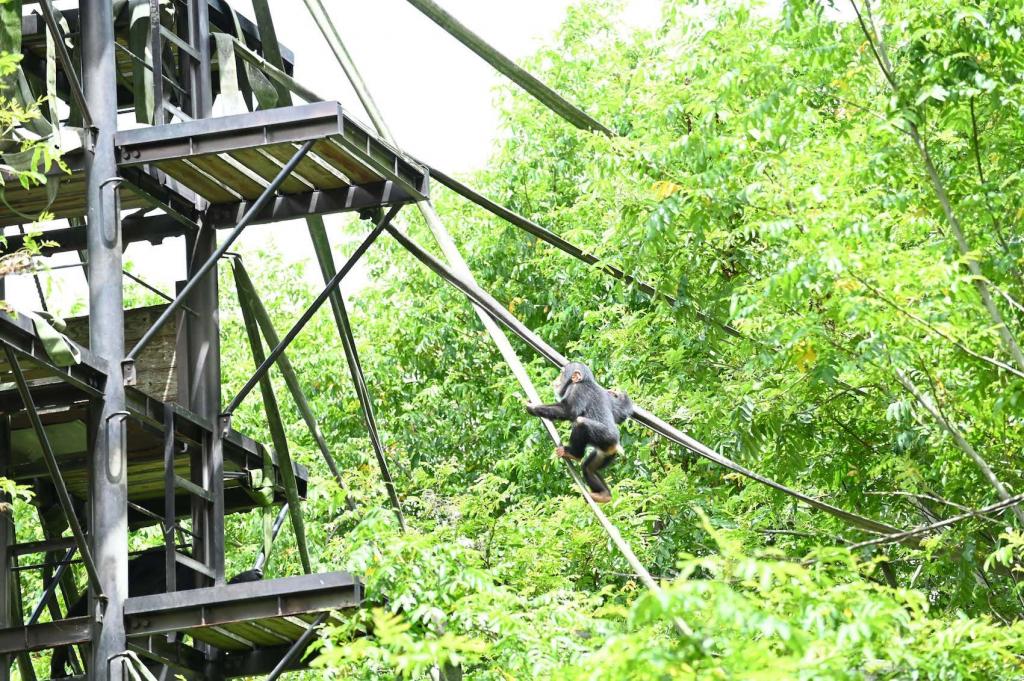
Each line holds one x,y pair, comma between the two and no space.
840,185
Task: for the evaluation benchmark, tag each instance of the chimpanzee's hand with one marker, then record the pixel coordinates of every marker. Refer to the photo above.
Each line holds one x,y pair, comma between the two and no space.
530,404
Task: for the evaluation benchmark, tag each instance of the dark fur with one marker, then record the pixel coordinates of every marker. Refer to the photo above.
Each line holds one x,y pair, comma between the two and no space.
595,414
145,578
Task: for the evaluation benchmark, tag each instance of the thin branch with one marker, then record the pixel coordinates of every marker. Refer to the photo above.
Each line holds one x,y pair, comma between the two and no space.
973,266
1011,502
997,227
917,496
874,49
960,345
960,440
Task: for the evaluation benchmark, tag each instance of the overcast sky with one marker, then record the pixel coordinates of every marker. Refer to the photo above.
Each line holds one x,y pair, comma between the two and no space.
436,95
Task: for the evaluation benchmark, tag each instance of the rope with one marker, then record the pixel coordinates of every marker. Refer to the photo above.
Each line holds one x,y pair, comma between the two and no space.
454,257
561,244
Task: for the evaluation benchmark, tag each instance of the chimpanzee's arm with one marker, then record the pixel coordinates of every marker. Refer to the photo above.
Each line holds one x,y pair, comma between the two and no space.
555,412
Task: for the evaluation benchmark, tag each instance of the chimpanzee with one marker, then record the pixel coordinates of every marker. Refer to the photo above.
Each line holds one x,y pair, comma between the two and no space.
146,576
595,413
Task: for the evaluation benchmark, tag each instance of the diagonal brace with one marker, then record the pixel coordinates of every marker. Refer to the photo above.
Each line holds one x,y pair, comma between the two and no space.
51,464
277,433
246,287
75,85
297,647
311,310
211,262
323,253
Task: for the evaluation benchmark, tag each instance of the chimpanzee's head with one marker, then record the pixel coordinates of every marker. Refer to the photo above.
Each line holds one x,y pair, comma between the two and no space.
574,372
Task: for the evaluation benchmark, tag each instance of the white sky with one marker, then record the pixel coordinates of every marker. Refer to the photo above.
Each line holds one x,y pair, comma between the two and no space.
436,95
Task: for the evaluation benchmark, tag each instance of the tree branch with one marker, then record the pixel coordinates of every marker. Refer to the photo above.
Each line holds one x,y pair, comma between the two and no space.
960,440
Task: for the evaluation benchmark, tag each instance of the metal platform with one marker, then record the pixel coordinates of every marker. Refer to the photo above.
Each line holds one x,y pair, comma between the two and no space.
230,160
252,624
63,195
62,396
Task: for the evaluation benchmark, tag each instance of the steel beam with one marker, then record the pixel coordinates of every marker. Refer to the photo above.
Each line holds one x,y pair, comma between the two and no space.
320,202
178,656
7,539
151,228
51,587
42,636
263,557
311,310
297,648
70,73
518,75
109,482
259,662
322,246
203,396
88,376
220,606
295,124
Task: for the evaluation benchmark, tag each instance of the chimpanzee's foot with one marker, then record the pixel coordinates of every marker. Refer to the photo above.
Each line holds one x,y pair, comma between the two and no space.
601,497
563,453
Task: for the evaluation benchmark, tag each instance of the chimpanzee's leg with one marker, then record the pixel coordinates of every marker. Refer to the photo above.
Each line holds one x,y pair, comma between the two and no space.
602,436
578,440
605,440
594,462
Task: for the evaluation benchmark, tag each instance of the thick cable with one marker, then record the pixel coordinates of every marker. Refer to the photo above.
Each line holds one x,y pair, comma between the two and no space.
484,300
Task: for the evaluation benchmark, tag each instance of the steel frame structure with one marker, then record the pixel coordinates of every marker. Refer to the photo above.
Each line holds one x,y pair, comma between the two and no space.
188,174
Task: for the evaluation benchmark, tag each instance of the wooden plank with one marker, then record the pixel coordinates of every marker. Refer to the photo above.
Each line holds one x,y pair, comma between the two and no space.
286,626
309,168
346,163
214,637
156,367
261,636
230,175
198,181
267,167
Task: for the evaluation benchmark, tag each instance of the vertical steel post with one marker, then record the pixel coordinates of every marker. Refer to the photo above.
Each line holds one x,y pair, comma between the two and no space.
204,329
203,341
200,75
109,479
6,539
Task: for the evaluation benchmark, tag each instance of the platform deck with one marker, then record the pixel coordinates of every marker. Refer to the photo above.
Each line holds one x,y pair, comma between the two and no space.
62,396
252,623
230,160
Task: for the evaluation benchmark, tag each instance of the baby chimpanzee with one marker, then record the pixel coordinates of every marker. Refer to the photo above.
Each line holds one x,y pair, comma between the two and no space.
595,413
